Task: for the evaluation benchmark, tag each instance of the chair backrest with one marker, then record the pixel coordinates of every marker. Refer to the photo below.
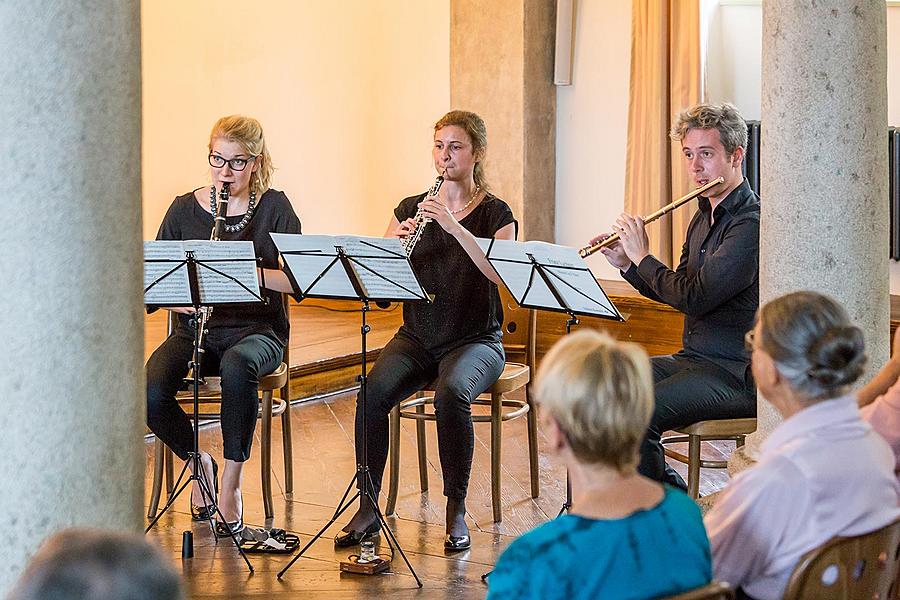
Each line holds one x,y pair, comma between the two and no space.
863,566
715,590
519,329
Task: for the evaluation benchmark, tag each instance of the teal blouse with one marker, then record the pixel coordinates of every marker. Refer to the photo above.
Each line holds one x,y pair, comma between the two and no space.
651,553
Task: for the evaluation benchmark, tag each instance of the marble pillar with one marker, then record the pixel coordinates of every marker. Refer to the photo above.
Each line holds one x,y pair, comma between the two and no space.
501,67
824,166
70,261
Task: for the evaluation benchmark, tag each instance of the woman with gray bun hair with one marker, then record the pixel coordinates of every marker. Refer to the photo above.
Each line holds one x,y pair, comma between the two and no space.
823,472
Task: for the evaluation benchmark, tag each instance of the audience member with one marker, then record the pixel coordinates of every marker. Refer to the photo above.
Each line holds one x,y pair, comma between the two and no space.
86,564
626,536
823,472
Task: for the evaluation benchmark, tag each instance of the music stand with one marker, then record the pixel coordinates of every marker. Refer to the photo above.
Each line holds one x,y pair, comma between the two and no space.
549,277
180,274
361,269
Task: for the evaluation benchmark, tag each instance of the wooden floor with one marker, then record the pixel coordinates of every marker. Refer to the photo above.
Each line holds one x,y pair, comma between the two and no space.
323,466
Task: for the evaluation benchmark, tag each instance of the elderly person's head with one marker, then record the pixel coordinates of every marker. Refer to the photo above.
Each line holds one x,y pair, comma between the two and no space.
805,350
87,564
596,395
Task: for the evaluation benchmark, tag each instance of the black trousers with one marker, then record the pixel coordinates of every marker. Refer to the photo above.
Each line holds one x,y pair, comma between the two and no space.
688,390
403,368
239,361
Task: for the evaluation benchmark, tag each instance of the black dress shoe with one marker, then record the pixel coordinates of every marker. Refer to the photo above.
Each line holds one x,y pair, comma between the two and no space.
204,513
355,536
454,543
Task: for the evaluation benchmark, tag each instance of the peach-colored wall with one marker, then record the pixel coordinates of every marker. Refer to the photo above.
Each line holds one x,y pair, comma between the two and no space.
346,91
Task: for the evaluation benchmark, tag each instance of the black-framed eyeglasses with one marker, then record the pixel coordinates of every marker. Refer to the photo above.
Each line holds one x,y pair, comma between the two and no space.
236,164
749,338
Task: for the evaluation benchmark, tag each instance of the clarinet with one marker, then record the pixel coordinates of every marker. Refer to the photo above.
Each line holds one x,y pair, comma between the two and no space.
410,241
215,235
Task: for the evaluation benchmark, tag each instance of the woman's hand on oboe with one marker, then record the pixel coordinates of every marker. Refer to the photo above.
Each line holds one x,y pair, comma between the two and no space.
436,210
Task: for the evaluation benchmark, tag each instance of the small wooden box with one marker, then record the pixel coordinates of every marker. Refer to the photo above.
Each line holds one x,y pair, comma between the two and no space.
352,565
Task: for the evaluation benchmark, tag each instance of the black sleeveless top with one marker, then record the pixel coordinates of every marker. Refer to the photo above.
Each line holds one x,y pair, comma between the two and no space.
466,305
186,220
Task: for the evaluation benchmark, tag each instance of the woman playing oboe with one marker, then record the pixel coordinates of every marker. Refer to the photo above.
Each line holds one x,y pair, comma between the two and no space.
454,341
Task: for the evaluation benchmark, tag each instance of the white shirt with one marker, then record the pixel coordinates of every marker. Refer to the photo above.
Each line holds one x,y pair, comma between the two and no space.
821,473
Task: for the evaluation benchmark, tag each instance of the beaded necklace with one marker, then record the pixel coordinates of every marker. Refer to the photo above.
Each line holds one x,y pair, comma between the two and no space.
247,215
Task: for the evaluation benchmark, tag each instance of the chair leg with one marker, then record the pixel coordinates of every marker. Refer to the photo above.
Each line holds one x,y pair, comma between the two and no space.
394,457
158,468
288,446
533,445
496,437
422,450
266,459
694,466
169,462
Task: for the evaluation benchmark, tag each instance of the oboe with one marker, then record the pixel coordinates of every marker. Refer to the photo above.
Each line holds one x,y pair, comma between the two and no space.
410,241
215,235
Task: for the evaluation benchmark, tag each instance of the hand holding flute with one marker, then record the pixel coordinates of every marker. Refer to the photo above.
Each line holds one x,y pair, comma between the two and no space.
628,243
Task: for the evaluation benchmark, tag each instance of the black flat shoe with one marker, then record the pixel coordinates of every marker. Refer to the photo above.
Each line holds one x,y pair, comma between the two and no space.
453,543
354,537
204,513
227,529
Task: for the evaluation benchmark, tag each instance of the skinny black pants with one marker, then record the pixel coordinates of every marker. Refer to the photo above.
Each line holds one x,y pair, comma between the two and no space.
239,361
688,390
405,367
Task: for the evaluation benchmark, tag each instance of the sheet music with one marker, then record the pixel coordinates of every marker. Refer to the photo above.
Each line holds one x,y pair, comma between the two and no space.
233,259
236,259
379,263
174,289
567,271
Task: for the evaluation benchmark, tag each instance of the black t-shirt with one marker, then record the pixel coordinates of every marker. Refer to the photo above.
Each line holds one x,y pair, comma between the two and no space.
186,220
466,305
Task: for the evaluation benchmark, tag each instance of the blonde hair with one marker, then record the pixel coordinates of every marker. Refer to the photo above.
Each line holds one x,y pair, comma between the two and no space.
247,132
725,118
475,128
600,392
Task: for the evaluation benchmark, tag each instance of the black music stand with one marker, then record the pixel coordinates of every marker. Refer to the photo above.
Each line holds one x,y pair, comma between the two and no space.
545,276
361,269
175,277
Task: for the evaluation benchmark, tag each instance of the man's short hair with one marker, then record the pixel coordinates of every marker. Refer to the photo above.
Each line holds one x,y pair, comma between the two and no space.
88,564
723,117
600,392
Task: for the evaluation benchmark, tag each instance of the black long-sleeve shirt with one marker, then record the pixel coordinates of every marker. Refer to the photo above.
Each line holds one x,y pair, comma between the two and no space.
716,284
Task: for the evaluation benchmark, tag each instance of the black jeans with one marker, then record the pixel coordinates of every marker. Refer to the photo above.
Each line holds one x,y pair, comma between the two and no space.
403,368
239,361
689,390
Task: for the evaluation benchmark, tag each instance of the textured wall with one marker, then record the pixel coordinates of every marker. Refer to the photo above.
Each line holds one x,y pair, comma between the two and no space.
501,67
70,262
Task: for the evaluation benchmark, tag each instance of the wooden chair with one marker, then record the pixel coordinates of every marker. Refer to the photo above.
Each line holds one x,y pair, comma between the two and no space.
863,566
706,431
715,590
270,406
516,340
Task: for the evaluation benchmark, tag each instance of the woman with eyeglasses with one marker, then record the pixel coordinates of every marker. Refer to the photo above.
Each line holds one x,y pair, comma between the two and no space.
823,472
243,342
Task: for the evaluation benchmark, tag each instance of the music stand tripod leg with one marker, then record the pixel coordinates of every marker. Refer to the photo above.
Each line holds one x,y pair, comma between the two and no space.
197,473
362,471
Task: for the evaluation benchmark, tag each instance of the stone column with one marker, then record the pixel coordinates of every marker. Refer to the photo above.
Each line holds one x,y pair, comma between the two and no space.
824,165
70,262
501,67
